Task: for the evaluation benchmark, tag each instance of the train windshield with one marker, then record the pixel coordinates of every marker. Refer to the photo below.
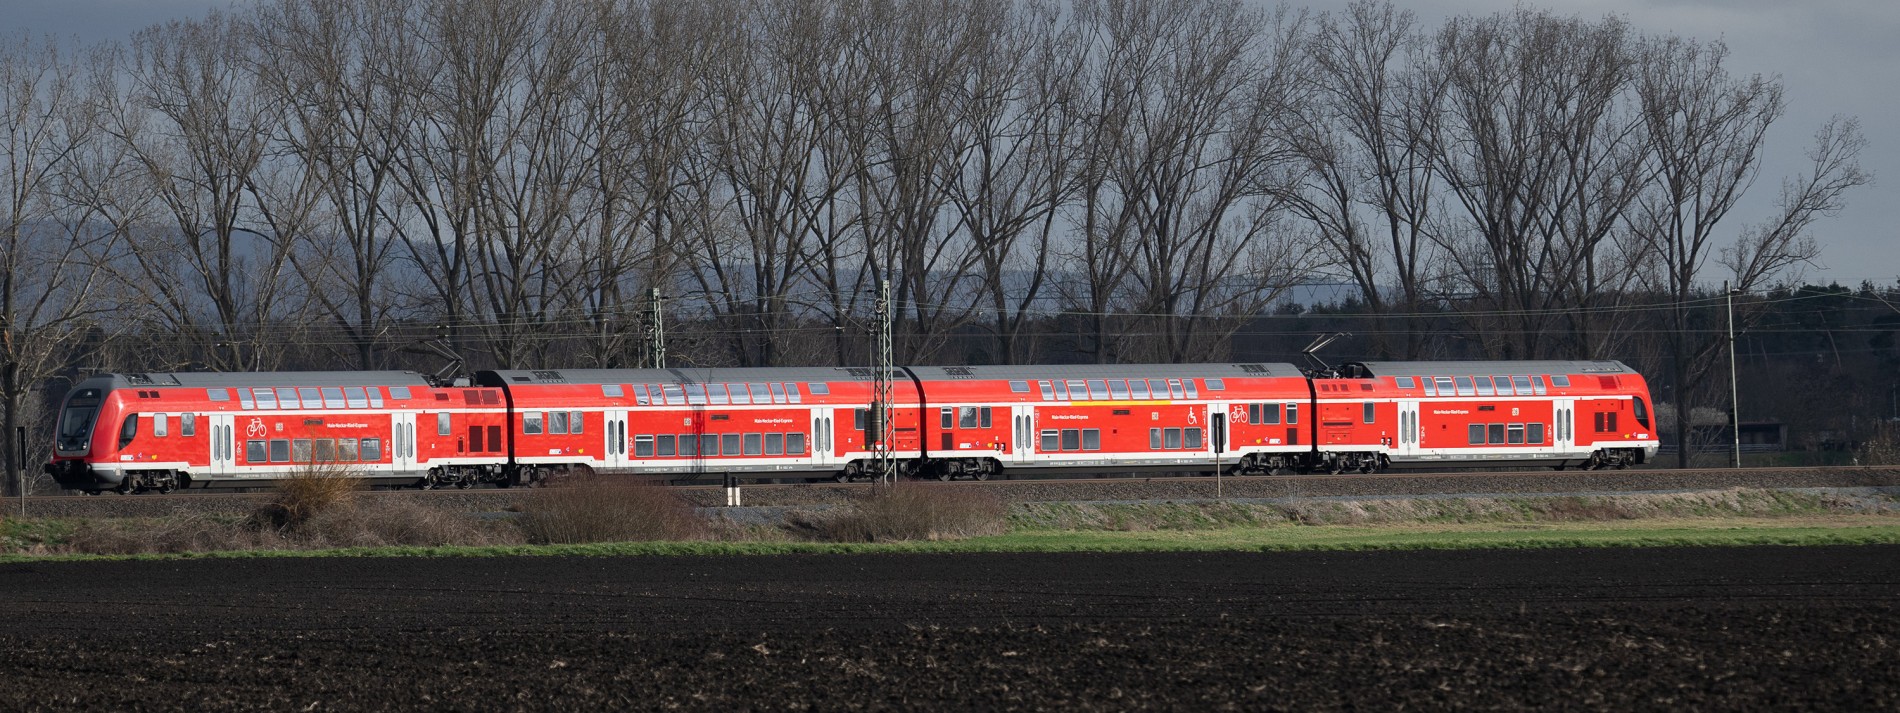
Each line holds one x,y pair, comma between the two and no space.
75,424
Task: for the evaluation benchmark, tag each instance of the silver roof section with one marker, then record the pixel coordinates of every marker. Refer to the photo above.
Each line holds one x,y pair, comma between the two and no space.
215,379
1490,368
673,376
1104,371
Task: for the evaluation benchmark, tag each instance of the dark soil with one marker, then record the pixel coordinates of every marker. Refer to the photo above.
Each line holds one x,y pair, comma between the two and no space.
1652,629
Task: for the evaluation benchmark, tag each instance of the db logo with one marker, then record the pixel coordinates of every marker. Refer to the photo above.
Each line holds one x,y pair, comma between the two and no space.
256,428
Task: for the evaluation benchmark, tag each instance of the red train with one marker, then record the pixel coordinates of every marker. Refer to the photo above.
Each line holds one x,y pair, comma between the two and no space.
143,432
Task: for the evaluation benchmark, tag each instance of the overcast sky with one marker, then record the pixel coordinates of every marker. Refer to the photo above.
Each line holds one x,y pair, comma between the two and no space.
1833,56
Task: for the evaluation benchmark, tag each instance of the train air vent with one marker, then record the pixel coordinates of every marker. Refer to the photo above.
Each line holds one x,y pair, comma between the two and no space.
1254,368
549,376
522,378
860,372
139,379
956,370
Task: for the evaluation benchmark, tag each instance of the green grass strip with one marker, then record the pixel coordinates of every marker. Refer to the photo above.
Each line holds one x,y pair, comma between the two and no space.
1257,539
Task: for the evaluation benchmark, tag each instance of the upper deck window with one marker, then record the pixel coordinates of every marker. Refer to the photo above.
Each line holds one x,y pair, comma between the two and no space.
1523,385
1138,388
1560,381
1484,386
1464,386
674,395
266,398
354,397
716,393
244,399
1048,392
791,391
765,394
1537,385
1191,393
375,399
287,399
218,394
1098,389
1019,387
333,397
1118,389
696,394
400,393
1404,382
1216,385
818,388
612,391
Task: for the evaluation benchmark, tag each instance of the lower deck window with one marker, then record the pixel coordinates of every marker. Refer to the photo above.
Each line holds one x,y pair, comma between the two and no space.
643,446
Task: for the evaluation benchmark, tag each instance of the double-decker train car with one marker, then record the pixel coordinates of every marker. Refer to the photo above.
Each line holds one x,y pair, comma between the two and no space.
159,432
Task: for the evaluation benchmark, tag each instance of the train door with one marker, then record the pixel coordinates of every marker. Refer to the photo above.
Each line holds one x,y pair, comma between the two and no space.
402,442
223,444
616,440
822,451
1407,445
1563,426
1022,442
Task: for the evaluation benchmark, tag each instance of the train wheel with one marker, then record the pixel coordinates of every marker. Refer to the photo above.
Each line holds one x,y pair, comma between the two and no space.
93,492
841,477
981,475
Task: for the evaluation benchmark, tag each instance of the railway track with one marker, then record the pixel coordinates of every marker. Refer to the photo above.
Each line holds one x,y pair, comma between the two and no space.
1120,487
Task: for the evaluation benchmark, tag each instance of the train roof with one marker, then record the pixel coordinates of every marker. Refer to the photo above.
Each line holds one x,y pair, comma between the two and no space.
215,379
1490,368
690,375
1103,371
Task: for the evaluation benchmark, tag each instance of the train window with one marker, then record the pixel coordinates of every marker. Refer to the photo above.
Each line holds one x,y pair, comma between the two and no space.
557,422
1192,438
1253,414
300,450
1537,385
1091,439
1444,384
716,393
254,452
1404,382
795,444
188,424
675,396
266,398
857,419
1216,385
1098,389
442,424
1171,438
1270,414
1154,439
1138,389
640,394
1477,434
287,399
1516,431
1560,381
218,394
323,450
742,394
696,394
663,444
1522,384
762,394
346,450
1072,439
354,397
1174,389
729,444
332,397
1484,386
752,444
1534,433
244,399
531,423
1464,386
612,391
159,425
688,444
1078,390
279,451
1049,441
375,397
1019,387
575,420
1118,389
1639,409
372,450
818,388
791,391
709,444
643,446
966,417
1431,389
775,444
1496,433
1612,421
1048,392
984,417
1369,412
1191,392
778,392
1062,391
948,418
400,393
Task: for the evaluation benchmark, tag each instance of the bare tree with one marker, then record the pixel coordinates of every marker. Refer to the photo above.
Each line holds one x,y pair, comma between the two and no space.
53,250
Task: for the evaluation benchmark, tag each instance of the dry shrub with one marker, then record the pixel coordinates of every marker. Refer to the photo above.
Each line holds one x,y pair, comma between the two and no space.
606,509
913,511
307,493
175,534
1880,448
383,522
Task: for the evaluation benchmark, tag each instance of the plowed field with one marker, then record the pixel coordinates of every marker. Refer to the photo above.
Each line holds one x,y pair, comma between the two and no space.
1720,628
